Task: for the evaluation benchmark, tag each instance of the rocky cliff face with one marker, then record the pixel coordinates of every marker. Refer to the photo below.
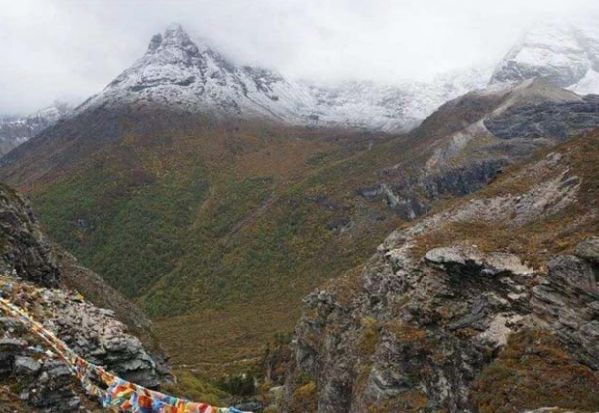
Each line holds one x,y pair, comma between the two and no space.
32,271
488,306
26,252
468,141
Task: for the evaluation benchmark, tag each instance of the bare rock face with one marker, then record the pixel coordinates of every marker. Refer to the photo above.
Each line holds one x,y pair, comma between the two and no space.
567,301
555,120
456,259
589,250
91,332
25,252
419,335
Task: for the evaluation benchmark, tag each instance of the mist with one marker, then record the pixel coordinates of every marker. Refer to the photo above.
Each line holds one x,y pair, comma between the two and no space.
69,50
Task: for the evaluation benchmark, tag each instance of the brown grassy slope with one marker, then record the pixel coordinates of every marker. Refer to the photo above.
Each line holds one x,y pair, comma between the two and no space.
220,232
550,235
534,370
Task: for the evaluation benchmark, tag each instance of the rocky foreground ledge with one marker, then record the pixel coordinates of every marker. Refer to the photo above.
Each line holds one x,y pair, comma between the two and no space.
43,380
466,331
34,274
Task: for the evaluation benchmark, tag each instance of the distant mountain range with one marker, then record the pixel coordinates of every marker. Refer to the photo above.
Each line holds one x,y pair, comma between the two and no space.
14,130
191,76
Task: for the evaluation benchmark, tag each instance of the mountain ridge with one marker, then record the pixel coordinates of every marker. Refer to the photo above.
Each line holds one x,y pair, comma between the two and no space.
178,72
15,130
563,54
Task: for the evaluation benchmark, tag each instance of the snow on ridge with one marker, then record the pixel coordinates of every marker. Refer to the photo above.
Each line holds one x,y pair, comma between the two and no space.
15,130
565,55
190,75
194,77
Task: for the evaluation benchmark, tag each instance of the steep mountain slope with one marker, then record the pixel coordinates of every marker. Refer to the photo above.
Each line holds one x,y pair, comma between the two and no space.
16,130
565,55
211,224
469,140
489,304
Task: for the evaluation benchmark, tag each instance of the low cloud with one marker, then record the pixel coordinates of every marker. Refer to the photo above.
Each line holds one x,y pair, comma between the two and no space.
71,49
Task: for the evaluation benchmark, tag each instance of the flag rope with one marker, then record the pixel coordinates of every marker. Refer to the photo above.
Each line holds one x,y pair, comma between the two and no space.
120,395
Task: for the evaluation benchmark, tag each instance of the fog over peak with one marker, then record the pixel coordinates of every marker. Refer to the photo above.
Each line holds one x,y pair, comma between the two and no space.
69,50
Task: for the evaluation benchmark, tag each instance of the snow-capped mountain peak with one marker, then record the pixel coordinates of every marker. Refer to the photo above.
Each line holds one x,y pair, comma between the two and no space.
182,73
565,55
174,37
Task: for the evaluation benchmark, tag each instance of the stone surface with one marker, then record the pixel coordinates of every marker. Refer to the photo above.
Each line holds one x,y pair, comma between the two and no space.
91,332
589,250
467,259
568,302
554,120
26,252
26,365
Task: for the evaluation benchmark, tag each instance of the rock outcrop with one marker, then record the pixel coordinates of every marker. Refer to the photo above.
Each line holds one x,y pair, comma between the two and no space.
547,120
436,323
25,251
567,302
469,141
91,332
33,269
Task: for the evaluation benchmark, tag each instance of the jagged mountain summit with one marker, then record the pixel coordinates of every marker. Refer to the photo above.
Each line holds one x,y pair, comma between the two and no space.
565,55
14,130
177,72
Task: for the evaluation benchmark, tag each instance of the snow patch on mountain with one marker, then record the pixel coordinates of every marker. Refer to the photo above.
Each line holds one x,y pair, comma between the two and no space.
589,84
390,108
565,55
15,130
180,73
176,71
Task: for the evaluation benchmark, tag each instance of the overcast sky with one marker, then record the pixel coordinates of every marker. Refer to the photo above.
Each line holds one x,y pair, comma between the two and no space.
68,49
